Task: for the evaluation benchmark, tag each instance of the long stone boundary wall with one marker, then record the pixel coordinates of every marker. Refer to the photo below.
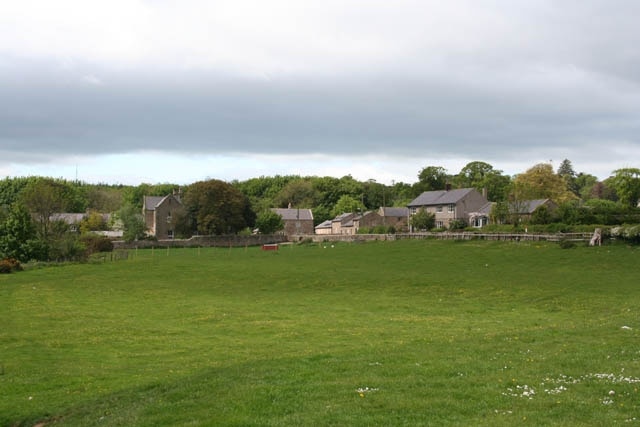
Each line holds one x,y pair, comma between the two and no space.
554,237
205,241
265,239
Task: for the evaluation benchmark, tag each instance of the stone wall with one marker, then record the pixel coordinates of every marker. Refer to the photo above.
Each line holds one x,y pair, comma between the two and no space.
205,241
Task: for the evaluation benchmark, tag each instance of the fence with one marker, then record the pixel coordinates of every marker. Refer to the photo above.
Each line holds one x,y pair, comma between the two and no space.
551,237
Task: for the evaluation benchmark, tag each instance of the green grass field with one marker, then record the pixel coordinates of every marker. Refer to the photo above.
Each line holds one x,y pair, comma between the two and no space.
384,333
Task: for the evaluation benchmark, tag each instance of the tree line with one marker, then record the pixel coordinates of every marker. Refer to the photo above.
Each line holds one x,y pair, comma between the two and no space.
29,229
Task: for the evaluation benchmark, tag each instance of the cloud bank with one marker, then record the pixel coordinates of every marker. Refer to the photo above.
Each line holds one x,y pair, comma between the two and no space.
511,83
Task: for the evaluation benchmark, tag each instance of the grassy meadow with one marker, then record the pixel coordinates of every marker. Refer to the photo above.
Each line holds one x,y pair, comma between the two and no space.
383,333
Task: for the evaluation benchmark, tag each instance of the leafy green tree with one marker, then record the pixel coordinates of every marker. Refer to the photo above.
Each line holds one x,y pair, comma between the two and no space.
218,208
482,176
18,237
626,182
298,193
432,178
423,220
44,197
347,204
94,221
585,184
566,172
133,224
269,222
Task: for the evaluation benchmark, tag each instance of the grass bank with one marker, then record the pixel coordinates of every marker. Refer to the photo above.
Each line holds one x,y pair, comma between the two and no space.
384,333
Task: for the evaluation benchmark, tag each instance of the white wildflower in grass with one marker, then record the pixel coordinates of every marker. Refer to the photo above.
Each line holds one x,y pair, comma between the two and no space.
521,391
556,390
607,401
362,391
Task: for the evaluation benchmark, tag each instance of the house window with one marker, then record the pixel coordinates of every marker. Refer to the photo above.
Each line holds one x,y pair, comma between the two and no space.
169,217
170,234
439,224
452,207
438,208
413,211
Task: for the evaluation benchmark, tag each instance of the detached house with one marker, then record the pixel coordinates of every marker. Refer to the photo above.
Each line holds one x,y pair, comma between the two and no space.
296,221
161,214
449,205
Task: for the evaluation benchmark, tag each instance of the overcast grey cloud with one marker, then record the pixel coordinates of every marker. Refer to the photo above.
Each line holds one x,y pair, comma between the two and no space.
413,82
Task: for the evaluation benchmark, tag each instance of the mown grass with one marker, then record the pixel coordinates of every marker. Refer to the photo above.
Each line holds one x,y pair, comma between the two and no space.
386,333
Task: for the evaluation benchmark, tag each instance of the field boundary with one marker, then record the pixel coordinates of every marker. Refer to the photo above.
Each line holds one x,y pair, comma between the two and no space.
550,237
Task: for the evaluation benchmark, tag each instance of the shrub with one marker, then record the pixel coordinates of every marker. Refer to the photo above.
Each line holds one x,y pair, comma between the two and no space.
567,244
9,265
457,224
94,243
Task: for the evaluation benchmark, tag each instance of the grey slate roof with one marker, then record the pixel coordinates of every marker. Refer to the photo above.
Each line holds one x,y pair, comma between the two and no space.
294,214
151,202
442,197
528,206
395,212
325,224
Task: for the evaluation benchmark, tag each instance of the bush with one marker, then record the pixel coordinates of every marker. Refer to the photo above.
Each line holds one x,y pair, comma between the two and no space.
567,244
457,224
94,243
9,265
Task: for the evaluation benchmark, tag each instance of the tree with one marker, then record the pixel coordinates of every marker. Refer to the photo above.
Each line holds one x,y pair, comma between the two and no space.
566,172
18,237
540,182
346,204
298,193
217,207
432,178
133,224
93,222
626,182
268,222
482,176
43,198
423,220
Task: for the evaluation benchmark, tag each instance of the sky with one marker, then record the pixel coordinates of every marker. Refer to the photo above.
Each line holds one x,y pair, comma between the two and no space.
158,91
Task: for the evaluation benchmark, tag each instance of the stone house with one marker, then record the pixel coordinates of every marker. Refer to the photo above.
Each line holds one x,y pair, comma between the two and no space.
296,221
323,227
449,205
161,214
522,210
343,224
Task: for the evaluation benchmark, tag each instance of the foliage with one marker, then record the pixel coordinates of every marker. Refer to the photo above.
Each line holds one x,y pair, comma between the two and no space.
541,216
347,204
133,224
44,197
626,182
218,208
458,224
18,238
540,182
9,265
423,220
298,193
63,244
94,243
482,176
268,222
432,178
630,233
94,221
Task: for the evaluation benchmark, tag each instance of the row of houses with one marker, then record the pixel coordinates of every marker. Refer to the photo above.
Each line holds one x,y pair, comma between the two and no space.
447,206
466,204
